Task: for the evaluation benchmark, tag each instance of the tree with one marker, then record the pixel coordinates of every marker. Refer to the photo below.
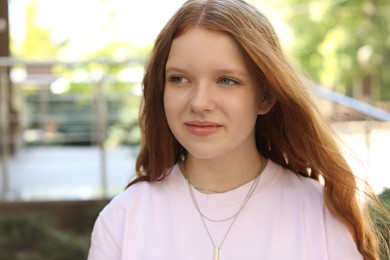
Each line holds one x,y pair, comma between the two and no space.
344,45
37,43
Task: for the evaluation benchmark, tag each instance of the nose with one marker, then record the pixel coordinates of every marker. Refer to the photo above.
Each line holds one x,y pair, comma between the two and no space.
202,99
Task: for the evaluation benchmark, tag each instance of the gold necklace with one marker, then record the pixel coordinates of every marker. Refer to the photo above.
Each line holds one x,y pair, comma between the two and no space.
234,217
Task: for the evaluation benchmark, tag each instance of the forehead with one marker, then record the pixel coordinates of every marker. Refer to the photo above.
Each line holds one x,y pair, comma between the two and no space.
199,45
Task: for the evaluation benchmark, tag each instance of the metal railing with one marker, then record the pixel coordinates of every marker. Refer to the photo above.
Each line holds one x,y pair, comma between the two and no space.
363,108
44,115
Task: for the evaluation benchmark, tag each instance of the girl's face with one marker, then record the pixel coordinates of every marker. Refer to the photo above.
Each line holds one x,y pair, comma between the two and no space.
211,97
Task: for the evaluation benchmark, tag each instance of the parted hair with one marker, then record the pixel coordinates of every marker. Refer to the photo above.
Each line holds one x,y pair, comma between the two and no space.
293,134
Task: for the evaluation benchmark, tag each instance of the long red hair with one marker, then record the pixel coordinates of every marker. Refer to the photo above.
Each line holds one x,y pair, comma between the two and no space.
293,134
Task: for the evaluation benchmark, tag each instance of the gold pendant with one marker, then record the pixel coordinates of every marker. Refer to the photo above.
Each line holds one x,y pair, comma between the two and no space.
216,253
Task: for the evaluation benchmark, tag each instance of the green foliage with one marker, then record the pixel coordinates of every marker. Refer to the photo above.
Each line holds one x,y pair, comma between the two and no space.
119,51
39,235
344,45
71,113
36,236
382,222
37,44
40,43
93,92
384,198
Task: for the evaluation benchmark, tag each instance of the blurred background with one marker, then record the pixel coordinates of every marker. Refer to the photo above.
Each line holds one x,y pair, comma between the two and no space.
70,89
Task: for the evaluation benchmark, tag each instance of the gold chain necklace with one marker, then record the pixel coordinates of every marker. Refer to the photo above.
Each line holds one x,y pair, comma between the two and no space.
234,216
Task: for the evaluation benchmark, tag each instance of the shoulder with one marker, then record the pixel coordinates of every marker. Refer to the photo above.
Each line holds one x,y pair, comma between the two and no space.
143,196
124,207
128,209
138,195
296,186
129,198
307,196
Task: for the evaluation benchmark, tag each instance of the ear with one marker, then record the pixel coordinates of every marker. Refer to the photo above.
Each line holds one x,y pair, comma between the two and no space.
266,104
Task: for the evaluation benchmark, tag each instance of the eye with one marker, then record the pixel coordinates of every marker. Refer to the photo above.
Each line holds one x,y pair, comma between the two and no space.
178,79
228,81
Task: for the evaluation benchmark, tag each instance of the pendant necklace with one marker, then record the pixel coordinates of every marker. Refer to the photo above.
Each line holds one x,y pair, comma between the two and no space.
203,217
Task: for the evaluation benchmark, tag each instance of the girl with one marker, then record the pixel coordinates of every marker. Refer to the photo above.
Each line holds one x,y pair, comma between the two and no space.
232,154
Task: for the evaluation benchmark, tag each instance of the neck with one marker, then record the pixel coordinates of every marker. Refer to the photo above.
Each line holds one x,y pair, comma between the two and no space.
218,177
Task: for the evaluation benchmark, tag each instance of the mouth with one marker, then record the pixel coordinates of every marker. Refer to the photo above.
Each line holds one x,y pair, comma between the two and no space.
203,128
203,124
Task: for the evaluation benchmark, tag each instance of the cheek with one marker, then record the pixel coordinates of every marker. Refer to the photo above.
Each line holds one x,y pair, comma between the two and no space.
167,106
244,106
171,105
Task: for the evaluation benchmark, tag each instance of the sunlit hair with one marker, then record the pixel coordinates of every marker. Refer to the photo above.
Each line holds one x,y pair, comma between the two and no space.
293,134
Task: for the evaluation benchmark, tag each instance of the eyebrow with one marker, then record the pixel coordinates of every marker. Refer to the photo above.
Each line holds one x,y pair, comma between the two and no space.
216,71
232,72
169,69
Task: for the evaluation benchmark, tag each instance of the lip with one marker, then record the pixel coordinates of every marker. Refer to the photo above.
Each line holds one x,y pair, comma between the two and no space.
203,128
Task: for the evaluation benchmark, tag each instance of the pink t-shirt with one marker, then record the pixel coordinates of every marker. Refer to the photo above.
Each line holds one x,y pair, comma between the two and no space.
284,219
